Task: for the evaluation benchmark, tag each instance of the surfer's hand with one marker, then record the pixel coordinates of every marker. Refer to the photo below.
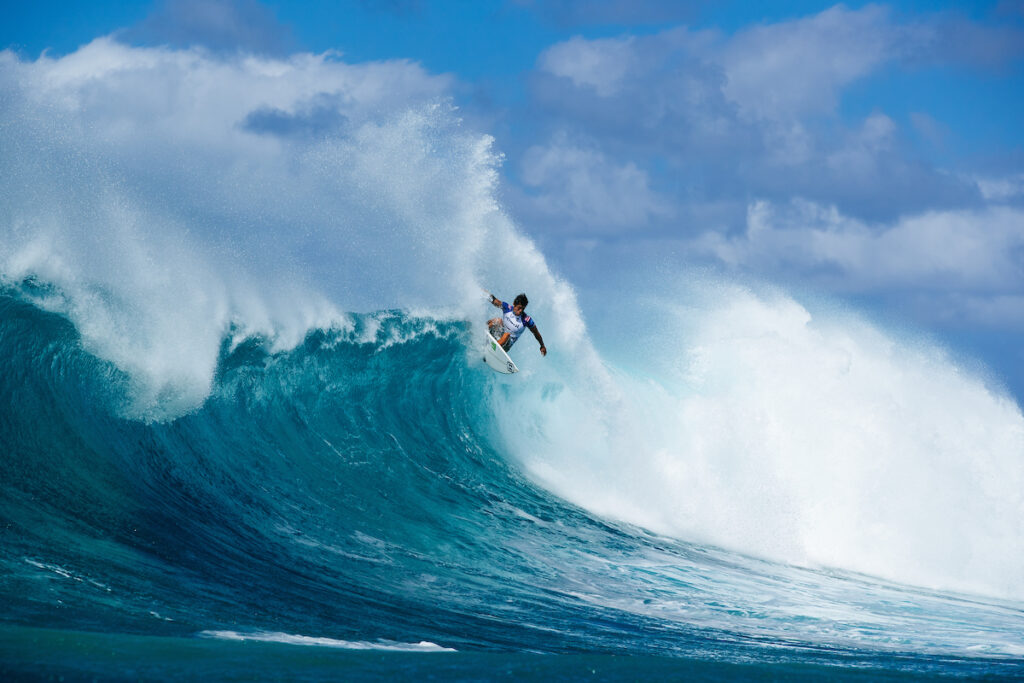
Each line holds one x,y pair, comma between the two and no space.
543,350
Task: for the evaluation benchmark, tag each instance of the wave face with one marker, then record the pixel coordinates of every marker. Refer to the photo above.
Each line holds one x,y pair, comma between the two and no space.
355,488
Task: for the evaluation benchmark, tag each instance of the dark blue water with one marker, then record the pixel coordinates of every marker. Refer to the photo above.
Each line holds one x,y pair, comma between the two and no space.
350,498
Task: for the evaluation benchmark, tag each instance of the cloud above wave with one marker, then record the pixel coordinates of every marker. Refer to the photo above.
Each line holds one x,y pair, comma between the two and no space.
743,153
970,252
757,112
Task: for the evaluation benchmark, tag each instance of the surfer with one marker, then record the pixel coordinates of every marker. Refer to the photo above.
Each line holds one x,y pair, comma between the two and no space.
510,325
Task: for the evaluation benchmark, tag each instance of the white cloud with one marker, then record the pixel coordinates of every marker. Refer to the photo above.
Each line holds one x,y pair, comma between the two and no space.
1001,189
771,71
956,251
584,187
797,67
600,64
860,154
129,91
752,114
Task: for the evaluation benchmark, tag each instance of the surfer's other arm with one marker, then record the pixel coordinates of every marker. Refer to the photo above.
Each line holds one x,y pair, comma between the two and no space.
536,333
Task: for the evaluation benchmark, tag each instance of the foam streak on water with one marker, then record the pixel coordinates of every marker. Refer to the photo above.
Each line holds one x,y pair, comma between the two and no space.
290,639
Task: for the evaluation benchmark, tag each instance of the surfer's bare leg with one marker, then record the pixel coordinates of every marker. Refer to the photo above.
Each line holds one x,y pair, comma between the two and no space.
496,328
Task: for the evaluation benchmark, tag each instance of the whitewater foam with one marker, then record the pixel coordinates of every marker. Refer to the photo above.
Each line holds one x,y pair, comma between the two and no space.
809,438
289,639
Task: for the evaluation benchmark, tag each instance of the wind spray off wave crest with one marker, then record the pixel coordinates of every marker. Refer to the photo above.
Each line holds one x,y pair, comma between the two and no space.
169,199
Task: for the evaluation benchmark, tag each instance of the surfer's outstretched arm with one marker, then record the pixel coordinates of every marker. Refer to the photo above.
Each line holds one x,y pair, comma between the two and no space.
495,301
536,333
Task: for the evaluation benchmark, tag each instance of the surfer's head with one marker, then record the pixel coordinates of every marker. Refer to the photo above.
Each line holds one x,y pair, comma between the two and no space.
519,304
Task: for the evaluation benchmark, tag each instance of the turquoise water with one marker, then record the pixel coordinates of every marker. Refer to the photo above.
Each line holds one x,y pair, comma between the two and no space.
348,507
64,655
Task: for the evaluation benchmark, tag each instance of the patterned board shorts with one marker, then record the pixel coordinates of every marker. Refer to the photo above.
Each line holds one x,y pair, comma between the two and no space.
497,331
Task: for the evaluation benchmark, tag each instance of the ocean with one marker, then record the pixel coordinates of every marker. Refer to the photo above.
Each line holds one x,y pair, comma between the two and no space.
349,508
246,431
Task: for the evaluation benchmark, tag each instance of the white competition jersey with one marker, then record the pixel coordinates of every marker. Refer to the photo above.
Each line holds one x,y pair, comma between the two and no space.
514,324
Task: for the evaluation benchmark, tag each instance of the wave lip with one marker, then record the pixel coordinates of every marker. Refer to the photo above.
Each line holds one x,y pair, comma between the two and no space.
290,639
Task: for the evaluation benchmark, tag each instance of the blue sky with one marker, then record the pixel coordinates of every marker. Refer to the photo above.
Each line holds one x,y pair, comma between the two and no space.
973,93
871,152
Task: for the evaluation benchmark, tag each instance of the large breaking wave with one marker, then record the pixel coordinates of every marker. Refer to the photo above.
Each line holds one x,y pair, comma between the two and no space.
240,392
359,487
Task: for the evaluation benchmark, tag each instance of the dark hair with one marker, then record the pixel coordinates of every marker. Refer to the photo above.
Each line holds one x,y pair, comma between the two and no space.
521,300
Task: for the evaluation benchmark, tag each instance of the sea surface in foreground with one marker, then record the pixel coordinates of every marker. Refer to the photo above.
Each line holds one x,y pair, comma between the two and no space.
46,654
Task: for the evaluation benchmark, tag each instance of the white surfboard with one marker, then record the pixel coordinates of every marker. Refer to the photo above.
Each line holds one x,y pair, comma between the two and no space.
496,358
